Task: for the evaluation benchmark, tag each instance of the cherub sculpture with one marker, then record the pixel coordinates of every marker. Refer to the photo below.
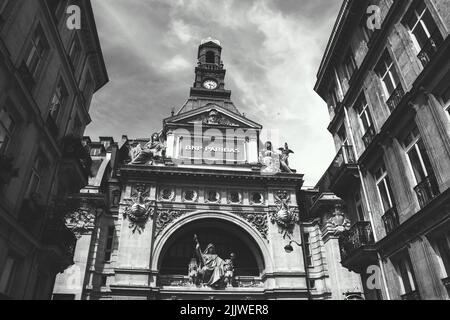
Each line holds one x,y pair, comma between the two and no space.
229,270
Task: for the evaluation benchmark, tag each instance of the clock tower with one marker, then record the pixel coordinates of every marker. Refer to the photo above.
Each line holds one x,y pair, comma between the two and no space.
210,73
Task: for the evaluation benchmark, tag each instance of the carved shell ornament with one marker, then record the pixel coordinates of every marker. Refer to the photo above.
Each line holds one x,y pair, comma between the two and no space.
140,209
284,217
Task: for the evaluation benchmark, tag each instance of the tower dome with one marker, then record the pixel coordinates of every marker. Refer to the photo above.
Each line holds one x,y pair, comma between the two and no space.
210,39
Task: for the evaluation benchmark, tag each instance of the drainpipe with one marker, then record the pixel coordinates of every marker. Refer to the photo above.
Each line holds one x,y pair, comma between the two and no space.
369,210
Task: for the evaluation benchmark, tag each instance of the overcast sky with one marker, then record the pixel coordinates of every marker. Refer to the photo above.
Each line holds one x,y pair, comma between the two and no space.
271,50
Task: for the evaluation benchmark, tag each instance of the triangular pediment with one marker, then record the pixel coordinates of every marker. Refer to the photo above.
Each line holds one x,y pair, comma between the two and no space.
212,116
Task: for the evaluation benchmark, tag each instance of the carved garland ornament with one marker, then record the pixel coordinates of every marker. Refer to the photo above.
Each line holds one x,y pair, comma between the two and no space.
166,217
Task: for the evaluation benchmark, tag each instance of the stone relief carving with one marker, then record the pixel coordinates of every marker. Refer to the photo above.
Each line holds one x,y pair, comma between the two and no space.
259,221
82,220
338,222
140,208
166,217
285,217
153,151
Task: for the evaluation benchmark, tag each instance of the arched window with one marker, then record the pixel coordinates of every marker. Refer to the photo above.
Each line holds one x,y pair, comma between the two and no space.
210,57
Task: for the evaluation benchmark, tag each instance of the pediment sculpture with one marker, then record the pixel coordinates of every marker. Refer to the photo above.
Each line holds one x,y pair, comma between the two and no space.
214,118
152,151
139,209
208,269
285,217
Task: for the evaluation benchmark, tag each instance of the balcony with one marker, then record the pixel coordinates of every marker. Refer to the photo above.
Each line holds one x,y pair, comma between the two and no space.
58,236
343,170
427,190
7,170
395,98
430,48
413,296
369,136
76,164
32,211
356,246
391,220
446,283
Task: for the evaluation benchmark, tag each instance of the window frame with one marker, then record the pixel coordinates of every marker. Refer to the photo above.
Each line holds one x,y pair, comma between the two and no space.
418,18
9,132
349,62
413,146
62,98
363,109
383,179
359,203
33,45
386,69
109,243
406,263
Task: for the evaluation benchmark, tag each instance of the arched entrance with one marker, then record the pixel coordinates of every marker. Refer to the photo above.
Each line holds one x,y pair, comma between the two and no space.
226,236
239,232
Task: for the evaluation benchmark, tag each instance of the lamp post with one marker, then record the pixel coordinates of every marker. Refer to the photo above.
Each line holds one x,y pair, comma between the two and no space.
289,249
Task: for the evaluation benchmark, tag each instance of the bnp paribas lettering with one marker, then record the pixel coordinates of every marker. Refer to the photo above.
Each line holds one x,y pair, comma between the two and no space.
212,149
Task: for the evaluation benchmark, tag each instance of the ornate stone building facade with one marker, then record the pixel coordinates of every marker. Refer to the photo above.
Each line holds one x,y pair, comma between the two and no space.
385,77
202,210
48,75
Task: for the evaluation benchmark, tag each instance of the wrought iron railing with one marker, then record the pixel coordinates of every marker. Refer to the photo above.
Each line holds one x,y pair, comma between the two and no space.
358,236
430,48
413,295
345,157
391,220
427,190
395,98
369,136
211,66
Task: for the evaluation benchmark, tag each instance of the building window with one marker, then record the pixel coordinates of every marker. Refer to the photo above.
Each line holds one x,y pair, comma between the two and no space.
96,152
384,189
8,272
333,98
308,251
36,52
359,206
424,31
56,8
350,65
104,281
59,100
406,277
365,116
418,159
35,179
342,135
7,127
109,243
75,52
388,74
442,249
210,57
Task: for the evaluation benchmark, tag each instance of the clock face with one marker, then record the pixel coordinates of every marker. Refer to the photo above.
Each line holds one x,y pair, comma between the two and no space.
210,84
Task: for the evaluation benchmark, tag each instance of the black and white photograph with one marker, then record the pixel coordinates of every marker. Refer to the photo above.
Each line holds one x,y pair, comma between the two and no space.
249,151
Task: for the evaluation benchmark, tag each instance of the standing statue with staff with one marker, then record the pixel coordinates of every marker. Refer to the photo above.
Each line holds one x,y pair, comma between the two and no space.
212,267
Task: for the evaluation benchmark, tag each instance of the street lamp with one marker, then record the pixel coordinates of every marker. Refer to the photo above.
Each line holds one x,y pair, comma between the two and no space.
289,249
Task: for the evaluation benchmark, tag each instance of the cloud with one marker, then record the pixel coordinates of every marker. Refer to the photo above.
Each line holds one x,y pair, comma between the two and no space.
271,49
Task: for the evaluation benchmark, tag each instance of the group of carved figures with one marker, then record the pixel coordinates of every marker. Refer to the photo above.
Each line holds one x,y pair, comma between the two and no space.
208,269
155,149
